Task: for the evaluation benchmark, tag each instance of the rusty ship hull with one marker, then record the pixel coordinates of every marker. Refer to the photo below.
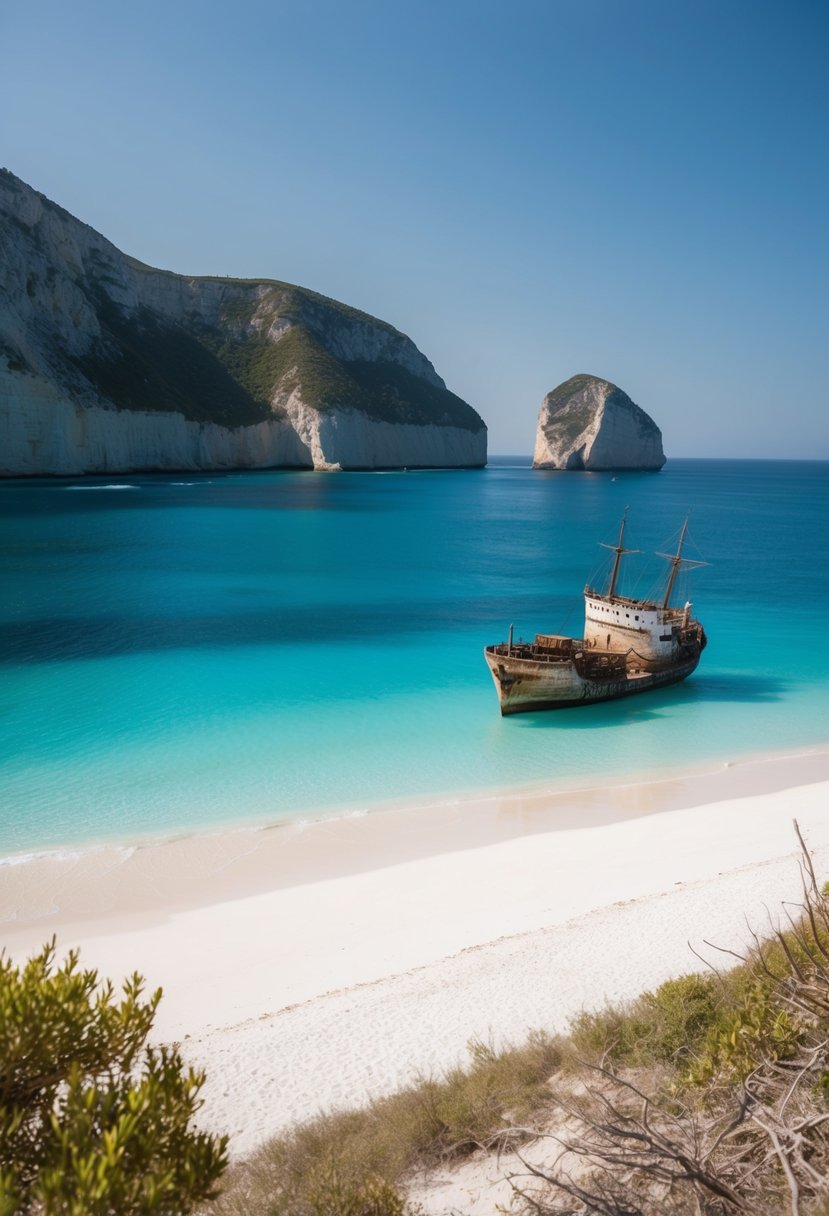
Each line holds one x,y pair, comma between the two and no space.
526,682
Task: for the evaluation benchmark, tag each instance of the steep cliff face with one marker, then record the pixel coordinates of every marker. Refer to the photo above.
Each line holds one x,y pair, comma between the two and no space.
108,365
588,423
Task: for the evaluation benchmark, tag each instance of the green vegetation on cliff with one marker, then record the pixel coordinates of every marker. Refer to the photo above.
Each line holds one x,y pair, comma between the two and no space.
229,374
562,393
145,363
572,415
300,360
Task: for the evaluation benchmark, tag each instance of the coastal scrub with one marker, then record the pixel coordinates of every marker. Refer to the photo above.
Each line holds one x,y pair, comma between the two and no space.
92,1121
709,1094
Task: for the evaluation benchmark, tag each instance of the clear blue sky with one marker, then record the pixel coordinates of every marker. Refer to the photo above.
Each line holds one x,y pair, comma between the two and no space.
633,188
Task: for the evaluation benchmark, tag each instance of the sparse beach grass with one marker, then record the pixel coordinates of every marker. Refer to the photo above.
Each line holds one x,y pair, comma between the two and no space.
693,1048
431,1121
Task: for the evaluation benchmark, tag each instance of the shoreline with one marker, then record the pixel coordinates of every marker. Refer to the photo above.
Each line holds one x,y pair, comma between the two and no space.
305,967
96,887
303,819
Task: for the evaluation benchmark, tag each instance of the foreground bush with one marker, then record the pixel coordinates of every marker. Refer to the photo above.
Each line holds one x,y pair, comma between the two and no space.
93,1122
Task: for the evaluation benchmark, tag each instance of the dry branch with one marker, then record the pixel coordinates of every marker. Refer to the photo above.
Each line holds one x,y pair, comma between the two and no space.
758,1147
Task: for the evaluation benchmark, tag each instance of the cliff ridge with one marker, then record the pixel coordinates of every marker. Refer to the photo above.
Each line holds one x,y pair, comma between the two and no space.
108,365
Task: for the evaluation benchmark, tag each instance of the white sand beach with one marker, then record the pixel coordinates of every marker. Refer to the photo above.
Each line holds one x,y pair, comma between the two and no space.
318,965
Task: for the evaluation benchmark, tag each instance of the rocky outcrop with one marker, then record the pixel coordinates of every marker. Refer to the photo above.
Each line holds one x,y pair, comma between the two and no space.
588,423
107,365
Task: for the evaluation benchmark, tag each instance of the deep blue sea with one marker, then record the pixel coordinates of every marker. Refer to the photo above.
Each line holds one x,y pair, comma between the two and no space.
180,652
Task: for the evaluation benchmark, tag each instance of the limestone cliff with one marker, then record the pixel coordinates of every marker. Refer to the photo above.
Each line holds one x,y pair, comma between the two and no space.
588,423
108,365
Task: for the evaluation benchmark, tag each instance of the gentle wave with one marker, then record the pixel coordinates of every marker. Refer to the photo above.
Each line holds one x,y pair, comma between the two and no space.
123,852
23,859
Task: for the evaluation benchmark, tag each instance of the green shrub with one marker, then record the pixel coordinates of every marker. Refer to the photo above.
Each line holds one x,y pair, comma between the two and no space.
664,1026
330,1195
742,1039
707,1027
93,1122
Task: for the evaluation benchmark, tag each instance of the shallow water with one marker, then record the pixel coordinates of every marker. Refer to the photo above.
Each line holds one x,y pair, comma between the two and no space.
185,651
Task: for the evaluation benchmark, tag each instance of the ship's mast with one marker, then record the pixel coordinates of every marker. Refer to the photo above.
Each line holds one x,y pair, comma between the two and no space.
677,560
619,549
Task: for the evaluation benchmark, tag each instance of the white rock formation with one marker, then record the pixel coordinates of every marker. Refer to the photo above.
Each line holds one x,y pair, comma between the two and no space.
588,423
41,433
107,365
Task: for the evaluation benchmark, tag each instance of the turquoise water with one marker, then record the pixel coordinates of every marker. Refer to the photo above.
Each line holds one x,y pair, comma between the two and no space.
192,651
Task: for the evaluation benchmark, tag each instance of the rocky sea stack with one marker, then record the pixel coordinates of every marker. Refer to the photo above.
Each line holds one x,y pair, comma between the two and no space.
588,423
109,365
